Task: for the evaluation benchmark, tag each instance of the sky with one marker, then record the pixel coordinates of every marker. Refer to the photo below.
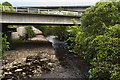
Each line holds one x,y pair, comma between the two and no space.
51,2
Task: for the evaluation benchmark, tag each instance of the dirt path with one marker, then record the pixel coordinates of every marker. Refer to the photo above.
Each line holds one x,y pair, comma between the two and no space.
68,65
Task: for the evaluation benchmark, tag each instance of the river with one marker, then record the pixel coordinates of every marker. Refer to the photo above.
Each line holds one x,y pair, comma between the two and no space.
73,66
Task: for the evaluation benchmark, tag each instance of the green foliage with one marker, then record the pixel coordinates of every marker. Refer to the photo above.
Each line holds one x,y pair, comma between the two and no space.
28,34
73,31
60,31
98,40
4,46
6,4
102,12
29,31
104,52
21,38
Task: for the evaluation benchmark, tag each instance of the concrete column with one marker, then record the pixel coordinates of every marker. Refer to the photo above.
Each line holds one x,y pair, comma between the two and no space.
4,27
3,8
21,31
28,10
48,11
38,10
16,9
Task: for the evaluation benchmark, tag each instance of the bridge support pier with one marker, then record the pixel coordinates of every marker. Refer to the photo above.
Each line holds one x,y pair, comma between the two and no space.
4,27
5,30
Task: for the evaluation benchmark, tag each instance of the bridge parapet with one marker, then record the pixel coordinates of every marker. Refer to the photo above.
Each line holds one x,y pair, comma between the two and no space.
41,11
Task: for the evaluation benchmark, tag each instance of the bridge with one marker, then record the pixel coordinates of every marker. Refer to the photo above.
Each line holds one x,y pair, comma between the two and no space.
35,18
65,8
40,15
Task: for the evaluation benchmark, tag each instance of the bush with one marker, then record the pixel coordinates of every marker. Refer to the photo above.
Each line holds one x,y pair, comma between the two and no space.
98,39
4,46
29,32
104,51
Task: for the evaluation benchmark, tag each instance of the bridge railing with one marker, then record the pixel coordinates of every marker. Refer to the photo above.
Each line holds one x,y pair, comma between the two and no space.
39,11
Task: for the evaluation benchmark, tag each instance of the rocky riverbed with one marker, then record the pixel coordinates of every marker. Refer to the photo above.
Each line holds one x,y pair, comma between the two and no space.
29,67
40,59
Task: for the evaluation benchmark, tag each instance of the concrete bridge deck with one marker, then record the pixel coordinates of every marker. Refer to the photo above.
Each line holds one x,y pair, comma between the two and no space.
35,18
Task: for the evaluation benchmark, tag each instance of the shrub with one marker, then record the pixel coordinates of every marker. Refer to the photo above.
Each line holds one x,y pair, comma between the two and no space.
29,32
104,51
4,46
98,39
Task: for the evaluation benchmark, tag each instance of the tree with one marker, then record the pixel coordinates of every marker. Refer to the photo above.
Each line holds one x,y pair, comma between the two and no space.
6,4
98,39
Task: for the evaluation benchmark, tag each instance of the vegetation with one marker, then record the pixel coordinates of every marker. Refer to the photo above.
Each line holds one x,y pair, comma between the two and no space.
4,46
29,32
98,39
7,6
60,31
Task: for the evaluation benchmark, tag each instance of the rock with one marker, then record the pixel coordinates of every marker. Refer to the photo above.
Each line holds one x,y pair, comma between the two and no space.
30,66
44,59
23,59
51,64
6,73
30,75
53,57
10,72
14,62
24,73
35,71
18,70
43,55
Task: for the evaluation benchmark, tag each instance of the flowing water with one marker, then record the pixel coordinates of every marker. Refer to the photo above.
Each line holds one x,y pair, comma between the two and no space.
73,65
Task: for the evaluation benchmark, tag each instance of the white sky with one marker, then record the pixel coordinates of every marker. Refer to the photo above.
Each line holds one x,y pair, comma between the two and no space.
51,2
